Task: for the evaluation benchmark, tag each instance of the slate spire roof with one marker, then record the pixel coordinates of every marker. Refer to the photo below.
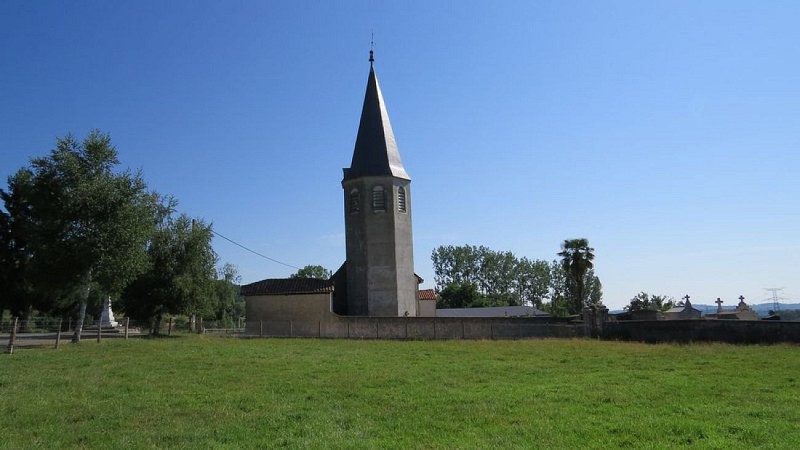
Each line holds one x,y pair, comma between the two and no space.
376,151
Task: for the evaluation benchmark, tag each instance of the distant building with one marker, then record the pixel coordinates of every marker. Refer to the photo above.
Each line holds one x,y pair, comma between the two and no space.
288,299
684,312
427,303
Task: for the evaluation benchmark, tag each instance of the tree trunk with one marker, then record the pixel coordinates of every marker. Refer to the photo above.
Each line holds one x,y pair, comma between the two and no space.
579,302
76,338
156,329
26,323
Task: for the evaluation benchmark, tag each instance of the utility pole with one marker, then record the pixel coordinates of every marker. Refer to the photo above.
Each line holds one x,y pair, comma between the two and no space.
776,301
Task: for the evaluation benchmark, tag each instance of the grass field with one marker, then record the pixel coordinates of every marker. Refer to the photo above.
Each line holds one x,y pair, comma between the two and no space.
206,392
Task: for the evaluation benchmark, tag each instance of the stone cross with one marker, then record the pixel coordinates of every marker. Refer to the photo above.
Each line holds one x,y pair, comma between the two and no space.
742,305
719,304
686,297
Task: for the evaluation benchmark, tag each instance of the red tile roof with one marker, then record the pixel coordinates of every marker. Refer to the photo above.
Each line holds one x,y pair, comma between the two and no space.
287,286
427,294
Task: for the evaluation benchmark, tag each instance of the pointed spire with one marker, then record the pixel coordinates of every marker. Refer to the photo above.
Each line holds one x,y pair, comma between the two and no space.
375,153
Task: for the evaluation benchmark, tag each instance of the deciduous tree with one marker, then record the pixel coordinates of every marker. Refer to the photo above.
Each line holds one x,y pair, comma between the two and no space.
181,273
643,301
77,222
459,295
532,281
317,272
230,305
499,277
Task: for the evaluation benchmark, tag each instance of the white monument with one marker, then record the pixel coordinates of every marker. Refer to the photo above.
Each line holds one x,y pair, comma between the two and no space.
107,316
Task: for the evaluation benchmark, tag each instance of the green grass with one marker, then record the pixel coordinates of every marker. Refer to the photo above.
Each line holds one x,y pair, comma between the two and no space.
201,392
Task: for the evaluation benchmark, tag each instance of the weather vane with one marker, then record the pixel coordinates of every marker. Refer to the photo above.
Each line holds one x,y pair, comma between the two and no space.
371,46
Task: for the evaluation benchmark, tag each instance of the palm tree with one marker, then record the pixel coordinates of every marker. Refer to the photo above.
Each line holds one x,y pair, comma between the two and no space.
576,260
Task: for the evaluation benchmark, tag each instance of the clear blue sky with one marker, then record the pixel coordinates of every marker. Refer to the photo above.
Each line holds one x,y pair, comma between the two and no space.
667,133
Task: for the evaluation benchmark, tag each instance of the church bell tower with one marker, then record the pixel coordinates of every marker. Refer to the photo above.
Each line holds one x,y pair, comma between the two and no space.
377,216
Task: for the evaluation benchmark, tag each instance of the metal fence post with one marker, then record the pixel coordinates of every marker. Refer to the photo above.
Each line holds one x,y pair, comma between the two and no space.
127,322
169,327
291,329
260,328
13,337
58,335
99,331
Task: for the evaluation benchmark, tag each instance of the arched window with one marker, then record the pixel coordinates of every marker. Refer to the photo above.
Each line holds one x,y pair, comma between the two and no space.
401,199
355,201
378,199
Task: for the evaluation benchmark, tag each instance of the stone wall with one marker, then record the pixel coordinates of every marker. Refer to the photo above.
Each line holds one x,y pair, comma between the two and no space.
429,328
731,331
419,328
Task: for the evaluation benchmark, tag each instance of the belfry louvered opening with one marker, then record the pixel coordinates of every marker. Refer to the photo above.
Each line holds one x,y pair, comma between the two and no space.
378,199
401,199
355,201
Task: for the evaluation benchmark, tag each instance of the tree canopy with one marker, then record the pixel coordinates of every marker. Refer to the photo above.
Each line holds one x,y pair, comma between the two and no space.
317,272
498,277
644,301
181,272
75,228
74,223
229,304
472,276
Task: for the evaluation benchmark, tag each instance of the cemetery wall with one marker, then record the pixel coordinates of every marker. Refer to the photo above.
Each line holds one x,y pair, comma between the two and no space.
731,331
429,328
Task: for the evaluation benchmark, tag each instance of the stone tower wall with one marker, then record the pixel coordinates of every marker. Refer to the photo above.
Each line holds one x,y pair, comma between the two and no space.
380,259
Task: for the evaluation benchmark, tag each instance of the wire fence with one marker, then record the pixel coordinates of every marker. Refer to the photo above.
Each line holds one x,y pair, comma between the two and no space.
44,332
410,328
48,332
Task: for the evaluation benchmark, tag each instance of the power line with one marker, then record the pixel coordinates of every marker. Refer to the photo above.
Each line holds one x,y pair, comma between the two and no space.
253,251
776,301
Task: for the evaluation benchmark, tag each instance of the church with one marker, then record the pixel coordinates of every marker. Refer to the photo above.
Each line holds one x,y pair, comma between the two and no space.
377,278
